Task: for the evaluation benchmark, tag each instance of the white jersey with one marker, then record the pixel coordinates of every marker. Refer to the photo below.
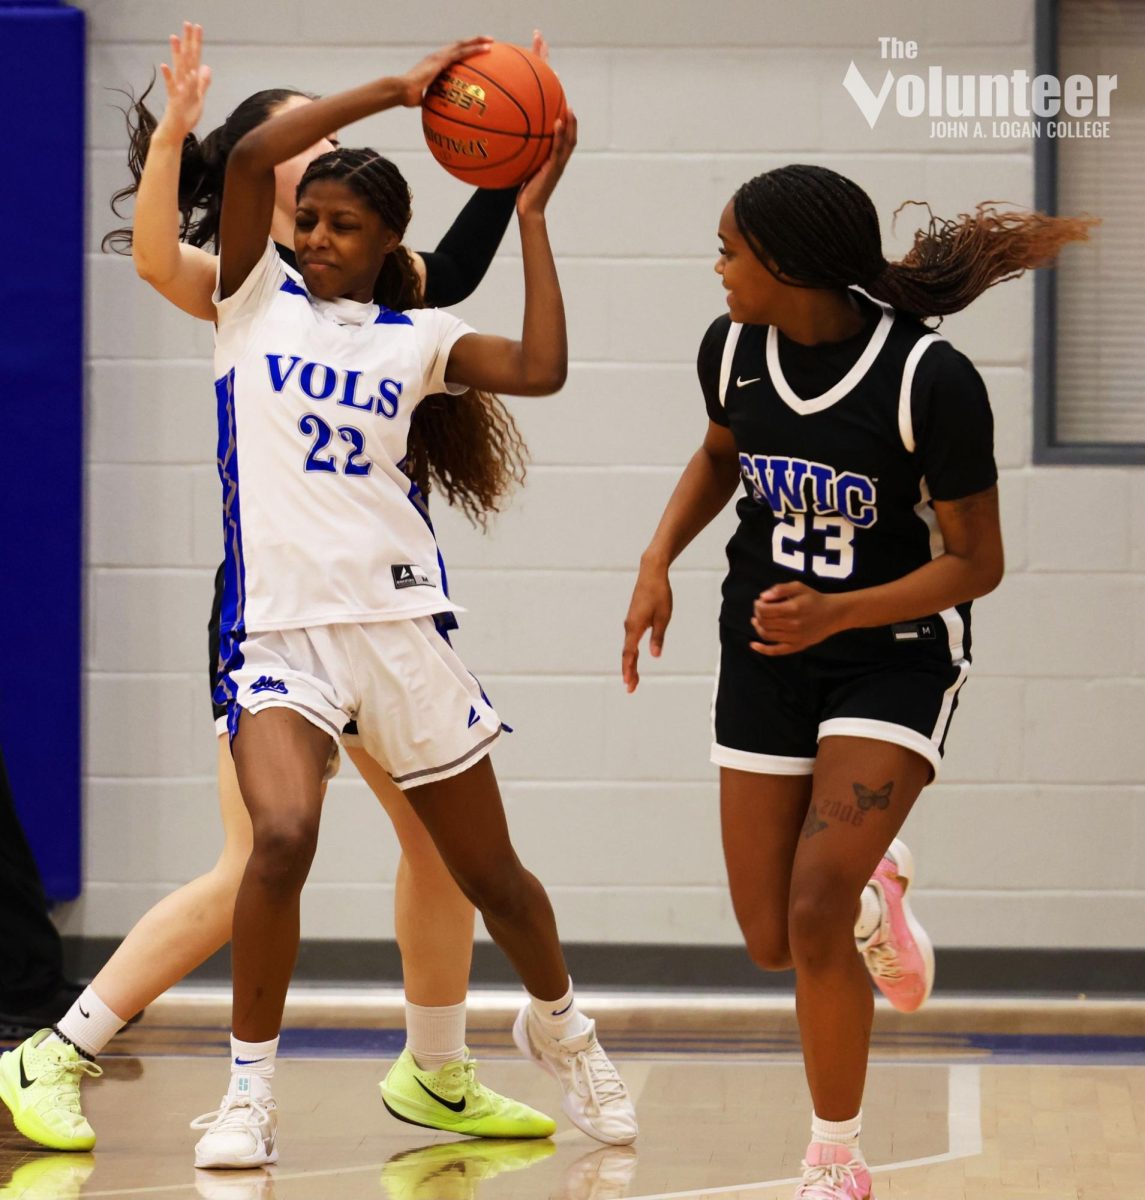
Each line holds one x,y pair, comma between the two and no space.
315,397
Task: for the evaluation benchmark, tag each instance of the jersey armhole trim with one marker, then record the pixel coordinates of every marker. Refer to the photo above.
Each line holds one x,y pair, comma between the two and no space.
726,361
906,420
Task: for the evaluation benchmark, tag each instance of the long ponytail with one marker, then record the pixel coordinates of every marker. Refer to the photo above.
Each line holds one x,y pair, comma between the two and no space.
202,168
815,228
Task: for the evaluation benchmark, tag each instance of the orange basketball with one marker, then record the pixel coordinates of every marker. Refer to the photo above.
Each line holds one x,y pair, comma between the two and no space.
488,119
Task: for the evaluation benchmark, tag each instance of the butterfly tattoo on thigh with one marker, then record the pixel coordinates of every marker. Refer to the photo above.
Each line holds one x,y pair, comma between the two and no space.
867,799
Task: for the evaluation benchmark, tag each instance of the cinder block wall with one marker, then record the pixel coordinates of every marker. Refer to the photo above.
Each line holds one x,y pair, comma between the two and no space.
1036,837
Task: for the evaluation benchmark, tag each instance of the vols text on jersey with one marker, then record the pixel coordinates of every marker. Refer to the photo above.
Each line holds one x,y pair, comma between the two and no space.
794,485
317,381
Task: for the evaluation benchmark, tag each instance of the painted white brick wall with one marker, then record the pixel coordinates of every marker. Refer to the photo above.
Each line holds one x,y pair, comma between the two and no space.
1036,837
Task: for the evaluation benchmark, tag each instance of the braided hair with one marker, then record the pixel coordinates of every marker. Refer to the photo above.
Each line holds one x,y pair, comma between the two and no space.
469,445
812,227
202,168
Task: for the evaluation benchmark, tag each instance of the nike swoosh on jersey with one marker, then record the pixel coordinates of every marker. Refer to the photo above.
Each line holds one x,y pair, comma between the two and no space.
456,1105
744,382
25,1082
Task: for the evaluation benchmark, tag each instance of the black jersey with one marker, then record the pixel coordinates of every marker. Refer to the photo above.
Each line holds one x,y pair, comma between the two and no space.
842,446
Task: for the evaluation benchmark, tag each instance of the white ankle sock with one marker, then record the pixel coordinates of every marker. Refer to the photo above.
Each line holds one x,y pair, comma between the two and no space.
435,1035
89,1024
837,1133
560,1018
253,1062
870,914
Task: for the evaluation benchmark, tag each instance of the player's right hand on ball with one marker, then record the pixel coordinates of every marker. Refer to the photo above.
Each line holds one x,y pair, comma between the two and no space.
537,189
418,78
650,608
186,80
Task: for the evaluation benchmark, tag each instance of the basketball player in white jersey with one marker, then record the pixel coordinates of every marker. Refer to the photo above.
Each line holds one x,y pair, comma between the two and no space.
178,191
333,579
869,521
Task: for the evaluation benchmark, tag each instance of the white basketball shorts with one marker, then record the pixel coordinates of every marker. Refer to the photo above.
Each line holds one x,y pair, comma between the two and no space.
420,714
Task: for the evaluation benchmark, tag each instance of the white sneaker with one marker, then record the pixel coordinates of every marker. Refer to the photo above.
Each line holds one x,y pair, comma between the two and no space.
595,1098
242,1132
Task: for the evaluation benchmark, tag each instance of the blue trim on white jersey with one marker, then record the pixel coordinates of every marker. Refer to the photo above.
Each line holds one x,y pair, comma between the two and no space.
295,289
387,316
445,620
232,629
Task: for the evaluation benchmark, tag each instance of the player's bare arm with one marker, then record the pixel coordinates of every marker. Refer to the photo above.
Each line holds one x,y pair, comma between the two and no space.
183,274
248,203
704,488
537,364
792,616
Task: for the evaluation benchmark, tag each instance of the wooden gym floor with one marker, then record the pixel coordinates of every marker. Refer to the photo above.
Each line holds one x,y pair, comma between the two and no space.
1006,1101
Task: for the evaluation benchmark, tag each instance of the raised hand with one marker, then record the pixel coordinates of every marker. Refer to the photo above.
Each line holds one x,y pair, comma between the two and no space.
534,195
540,46
419,77
187,80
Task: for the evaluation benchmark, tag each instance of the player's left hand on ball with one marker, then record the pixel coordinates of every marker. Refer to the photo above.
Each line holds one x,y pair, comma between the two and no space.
789,617
535,193
419,77
540,46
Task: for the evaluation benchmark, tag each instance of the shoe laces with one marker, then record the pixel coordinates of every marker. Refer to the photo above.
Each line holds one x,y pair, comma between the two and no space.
824,1181
234,1114
883,960
466,1069
67,1072
601,1079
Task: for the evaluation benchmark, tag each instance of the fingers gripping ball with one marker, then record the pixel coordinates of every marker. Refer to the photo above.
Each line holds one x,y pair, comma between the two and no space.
489,119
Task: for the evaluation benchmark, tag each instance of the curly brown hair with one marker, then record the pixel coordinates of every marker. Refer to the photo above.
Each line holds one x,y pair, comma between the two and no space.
468,445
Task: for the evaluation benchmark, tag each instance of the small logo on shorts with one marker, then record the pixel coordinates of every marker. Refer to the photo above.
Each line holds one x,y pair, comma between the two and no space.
914,631
473,717
409,575
264,683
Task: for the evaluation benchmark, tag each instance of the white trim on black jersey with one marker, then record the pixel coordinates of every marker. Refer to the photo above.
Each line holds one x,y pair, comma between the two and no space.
730,343
906,420
832,395
951,617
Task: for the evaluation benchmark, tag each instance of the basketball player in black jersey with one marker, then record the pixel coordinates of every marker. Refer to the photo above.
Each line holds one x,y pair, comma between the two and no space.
862,442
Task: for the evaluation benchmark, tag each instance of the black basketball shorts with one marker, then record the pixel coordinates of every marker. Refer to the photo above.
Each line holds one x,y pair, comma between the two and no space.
769,714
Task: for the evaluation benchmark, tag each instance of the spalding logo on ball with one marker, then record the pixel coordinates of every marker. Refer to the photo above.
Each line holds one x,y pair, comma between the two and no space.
489,119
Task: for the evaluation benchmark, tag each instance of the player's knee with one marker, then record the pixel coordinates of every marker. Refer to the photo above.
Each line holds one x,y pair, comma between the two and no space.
768,947
283,851
226,876
502,895
818,917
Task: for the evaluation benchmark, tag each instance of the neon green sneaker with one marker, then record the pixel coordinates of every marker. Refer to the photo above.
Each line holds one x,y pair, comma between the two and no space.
452,1170
453,1100
49,1177
41,1085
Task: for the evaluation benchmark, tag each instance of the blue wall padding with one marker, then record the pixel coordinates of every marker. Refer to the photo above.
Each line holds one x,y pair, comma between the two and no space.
41,426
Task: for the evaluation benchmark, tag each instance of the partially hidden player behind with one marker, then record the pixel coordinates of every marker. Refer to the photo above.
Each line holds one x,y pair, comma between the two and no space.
178,192
333,583
863,443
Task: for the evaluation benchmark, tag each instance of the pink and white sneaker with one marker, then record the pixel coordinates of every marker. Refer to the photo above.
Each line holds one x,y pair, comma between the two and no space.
834,1173
899,954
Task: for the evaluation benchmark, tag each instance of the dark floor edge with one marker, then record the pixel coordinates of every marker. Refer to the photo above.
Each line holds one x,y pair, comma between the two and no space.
996,972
